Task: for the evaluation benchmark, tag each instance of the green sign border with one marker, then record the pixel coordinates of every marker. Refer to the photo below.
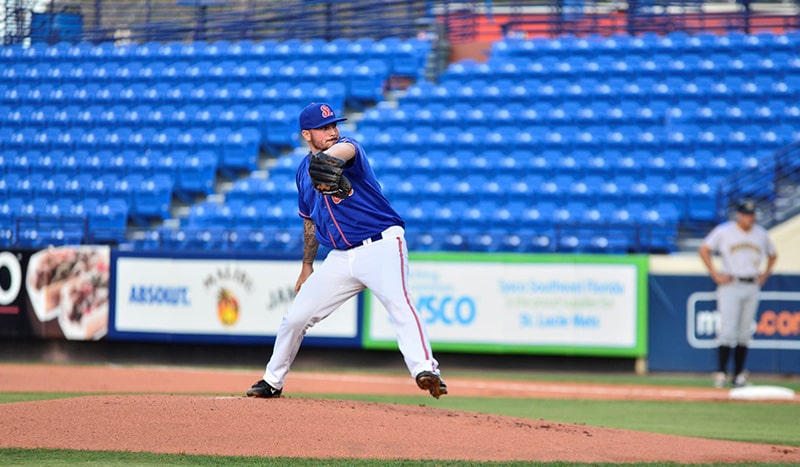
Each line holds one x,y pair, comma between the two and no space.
639,349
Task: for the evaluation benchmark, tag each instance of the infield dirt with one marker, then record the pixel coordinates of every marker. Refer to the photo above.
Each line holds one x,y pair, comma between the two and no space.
155,414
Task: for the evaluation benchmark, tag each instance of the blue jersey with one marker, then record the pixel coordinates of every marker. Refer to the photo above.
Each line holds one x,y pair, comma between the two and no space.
342,223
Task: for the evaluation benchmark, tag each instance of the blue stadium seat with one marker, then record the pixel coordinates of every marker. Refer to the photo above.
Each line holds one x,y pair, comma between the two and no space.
166,163
152,199
247,215
99,186
702,202
23,185
108,221
240,150
74,187
161,140
169,238
10,209
211,238
204,213
31,207
196,175
50,186
21,162
282,131
536,240
247,239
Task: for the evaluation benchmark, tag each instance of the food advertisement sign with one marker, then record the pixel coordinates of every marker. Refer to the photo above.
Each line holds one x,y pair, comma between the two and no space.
58,292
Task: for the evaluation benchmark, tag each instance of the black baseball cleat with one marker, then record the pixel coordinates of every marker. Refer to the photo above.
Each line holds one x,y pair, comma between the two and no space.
431,382
263,389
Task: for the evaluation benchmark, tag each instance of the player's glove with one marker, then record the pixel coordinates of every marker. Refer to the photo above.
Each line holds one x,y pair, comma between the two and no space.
326,175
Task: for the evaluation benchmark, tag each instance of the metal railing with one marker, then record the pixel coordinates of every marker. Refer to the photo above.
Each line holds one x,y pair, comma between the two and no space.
642,16
451,21
772,184
209,20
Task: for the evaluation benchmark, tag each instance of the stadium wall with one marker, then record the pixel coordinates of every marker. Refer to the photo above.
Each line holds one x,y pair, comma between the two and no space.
658,311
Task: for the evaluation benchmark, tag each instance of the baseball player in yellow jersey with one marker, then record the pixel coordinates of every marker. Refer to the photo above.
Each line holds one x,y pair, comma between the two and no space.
742,246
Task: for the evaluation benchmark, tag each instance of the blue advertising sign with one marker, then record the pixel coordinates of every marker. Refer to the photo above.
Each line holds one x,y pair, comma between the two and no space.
684,323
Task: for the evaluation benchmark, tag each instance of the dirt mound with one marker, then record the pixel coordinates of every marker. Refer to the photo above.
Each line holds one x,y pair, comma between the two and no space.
295,427
147,419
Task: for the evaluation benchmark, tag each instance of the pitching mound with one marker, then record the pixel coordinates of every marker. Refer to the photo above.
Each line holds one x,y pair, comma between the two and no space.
230,424
294,427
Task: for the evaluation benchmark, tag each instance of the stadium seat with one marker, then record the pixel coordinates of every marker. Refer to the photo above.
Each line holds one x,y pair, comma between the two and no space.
282,132
701,202
108,221
99,187
166,163
75,186
196,175
152,199
240,150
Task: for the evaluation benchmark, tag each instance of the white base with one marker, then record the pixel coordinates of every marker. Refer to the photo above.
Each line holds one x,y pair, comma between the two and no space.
762,393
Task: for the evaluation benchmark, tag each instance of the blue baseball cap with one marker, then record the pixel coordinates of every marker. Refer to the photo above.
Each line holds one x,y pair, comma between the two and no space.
318,115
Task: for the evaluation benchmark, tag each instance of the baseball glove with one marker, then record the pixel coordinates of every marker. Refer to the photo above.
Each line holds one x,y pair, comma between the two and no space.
326,175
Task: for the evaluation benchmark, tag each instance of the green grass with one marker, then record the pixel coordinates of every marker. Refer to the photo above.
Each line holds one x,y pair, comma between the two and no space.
59,457
656,379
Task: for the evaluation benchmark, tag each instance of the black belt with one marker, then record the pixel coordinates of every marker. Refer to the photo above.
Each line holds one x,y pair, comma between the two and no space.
367,241
750,280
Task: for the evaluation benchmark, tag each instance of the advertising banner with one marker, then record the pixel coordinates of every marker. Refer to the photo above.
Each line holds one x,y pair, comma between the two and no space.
210,299
58,292
590,305
684,322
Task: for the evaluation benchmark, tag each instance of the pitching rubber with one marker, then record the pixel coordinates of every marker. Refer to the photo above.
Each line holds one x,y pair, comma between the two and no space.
762,393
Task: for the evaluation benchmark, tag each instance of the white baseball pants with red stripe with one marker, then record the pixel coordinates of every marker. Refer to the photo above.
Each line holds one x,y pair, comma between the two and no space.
381,266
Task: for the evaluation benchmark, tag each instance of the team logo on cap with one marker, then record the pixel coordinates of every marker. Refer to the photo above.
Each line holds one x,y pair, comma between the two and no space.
326,111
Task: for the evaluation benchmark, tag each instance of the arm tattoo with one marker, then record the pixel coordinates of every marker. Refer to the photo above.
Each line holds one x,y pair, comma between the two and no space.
310,243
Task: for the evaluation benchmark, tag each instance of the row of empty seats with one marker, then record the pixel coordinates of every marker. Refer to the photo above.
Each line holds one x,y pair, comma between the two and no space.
37,223
629,112
234,149
519,163
528,240
660,65
572,138
648,44
260,94
616,89
623,237
402,57
149,198
228,71
158,117
58,174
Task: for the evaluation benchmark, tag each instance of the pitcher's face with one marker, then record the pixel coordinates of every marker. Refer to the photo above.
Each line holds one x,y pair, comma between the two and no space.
322,138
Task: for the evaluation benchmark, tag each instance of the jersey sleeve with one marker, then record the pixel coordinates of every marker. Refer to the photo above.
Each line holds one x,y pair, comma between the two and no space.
360,162
303,203
770,245
712,240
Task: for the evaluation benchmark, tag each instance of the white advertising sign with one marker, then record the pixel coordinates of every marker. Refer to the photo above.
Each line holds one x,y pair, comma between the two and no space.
570,304
214,296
